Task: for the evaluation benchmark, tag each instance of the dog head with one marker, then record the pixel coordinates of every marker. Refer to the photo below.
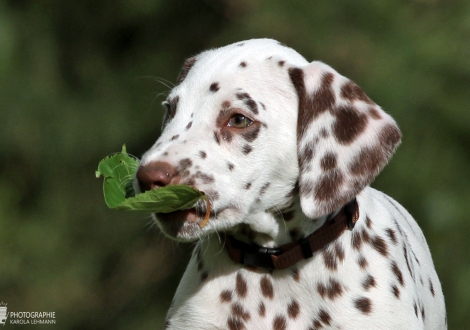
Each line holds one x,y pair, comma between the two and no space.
252,125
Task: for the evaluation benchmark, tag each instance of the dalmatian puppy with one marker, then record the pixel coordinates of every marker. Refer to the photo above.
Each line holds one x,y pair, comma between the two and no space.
295,238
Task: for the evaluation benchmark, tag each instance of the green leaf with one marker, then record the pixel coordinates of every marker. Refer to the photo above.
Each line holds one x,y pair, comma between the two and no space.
118,171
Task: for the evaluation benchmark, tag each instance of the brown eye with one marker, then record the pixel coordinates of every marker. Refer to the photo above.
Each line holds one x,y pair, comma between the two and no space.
239,121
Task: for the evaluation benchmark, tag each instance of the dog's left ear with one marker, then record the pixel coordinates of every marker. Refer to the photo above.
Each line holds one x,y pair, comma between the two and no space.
344,139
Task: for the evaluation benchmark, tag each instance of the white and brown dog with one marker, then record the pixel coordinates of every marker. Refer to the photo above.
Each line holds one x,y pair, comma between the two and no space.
285,150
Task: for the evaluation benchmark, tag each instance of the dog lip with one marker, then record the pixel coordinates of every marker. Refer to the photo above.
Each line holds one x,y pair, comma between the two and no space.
189,215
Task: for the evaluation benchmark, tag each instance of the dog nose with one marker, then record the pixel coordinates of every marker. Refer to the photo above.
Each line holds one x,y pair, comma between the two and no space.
155,175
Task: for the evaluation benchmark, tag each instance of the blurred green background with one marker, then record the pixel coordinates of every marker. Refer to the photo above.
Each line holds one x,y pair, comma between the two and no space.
80,78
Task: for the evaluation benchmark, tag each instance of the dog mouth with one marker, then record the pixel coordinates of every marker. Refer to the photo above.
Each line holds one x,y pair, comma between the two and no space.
185,223
189,216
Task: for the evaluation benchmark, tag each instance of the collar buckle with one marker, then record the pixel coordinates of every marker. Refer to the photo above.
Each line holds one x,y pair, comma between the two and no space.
255,256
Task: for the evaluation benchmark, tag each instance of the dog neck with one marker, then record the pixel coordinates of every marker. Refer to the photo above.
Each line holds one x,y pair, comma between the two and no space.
287,255
273,228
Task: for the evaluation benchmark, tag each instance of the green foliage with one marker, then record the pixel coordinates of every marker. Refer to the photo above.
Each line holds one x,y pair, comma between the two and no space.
76,79
118,171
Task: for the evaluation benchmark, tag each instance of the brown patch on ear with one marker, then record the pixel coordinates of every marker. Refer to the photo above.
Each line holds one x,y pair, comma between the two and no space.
311,106
371,159
306,155
352,92
328,186
390,137
349,124
374,113
188,64
328,162
366,161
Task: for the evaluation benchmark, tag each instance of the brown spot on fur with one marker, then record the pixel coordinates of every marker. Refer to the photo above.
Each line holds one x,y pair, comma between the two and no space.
389,137
223,117
249,102
363,304
293,309
267,287
369,282
356,240
214,87
188,64
368,223
352,92
184,164
367,162
202,154
174,137
241,286
362,262
371,159
206,178
307,153
324,317
226,104
248,185
365,236
226,296
239,312
263,189
329,259
247,149
328,162
392,235
379,244
396,291
216,138
316,325
349,124
328,185
251,132
281,63
230,166
431,287
398,273
405,253
242,64
262,309
235,324
189,125
374,113
279,323
226,135
331,290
